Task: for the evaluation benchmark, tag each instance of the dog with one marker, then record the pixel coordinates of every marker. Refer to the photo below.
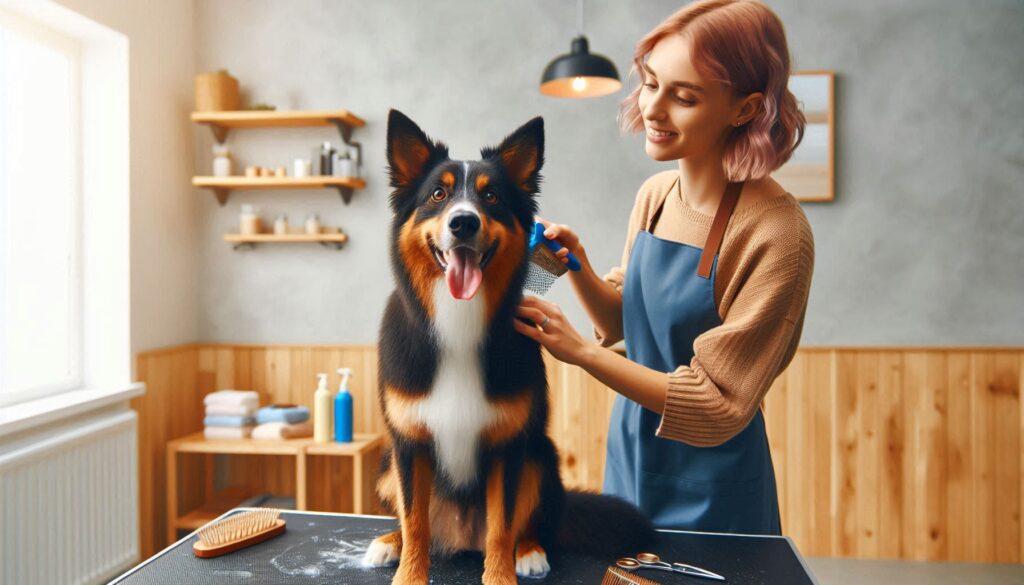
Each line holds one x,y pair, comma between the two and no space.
464,395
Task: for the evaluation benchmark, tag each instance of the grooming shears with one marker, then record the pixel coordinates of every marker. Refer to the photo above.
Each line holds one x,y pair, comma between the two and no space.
653,561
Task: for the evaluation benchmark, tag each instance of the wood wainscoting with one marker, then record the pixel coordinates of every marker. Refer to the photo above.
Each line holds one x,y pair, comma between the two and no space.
901,453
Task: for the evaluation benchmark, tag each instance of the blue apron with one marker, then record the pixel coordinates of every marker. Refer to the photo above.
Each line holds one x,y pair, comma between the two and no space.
666,304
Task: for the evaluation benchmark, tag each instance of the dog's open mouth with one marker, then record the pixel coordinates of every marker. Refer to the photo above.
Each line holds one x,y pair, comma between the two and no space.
463,268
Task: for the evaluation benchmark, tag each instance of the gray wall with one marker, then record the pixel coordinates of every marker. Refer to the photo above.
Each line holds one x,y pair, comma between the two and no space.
923,245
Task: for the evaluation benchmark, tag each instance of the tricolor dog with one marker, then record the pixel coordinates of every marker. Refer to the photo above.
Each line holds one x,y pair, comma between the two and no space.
464,395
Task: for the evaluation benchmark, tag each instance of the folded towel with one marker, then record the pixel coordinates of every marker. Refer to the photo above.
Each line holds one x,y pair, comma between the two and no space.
280,430
227,432
230,410
229,421
236,397
288,413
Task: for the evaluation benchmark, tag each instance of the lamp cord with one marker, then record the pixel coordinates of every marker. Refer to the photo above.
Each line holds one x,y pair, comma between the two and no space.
579,15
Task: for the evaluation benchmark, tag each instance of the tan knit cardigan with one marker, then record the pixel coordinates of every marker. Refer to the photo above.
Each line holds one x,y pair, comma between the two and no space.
762,282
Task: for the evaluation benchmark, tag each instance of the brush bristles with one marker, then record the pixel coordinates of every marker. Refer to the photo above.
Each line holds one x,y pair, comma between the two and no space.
238,526
544,269
616,576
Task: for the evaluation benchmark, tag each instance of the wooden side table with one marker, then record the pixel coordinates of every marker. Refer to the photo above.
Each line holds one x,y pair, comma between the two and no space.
365,451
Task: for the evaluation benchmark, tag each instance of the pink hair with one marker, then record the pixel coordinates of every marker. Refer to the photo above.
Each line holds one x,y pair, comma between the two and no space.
740,43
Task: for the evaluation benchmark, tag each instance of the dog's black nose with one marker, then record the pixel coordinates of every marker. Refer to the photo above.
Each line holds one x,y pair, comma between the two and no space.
464,225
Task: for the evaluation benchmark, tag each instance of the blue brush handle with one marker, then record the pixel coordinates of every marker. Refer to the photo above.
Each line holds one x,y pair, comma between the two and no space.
537,237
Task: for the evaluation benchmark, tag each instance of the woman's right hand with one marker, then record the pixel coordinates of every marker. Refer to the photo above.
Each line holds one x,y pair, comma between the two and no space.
565,235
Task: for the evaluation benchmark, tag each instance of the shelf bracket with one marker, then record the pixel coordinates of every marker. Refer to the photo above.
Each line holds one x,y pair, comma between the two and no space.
346,194
344,129
220,133
244,246
222,195
335,245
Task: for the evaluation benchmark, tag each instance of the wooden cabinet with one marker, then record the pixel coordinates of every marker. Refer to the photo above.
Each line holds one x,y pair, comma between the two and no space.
364,452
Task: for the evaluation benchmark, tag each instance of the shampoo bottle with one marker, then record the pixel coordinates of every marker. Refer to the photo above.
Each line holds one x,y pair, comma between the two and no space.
322,411
343,409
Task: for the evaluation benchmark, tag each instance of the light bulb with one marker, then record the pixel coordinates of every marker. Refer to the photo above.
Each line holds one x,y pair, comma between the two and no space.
579,84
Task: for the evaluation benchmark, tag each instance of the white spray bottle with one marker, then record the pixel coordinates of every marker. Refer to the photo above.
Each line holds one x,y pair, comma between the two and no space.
322,411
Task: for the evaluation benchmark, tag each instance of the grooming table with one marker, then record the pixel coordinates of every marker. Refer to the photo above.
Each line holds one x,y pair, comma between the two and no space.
328,548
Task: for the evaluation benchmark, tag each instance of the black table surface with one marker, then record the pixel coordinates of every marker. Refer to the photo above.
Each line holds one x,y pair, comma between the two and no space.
318,547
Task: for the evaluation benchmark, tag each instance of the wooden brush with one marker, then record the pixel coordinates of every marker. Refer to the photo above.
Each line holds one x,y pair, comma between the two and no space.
617,576
238,531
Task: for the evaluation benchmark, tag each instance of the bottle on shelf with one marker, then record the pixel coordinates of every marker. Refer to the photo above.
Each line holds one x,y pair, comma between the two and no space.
325,156
343,409
221,161
322,411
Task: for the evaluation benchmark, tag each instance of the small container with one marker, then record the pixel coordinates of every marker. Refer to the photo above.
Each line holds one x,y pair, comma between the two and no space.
342,165
266,172
280,172
281,225
302,167
221,161
252,171
325,155
313,224
249,221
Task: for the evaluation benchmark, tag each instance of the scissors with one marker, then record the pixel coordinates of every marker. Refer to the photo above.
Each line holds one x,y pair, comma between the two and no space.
652,561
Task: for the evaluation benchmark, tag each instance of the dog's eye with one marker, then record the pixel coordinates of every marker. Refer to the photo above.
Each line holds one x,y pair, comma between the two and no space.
439,194
491,197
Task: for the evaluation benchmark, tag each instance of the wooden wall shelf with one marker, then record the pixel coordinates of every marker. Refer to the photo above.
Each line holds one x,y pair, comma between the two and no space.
222,186
243,242
221,122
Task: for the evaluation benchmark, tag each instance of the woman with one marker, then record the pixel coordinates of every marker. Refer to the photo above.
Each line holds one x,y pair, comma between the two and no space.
715,275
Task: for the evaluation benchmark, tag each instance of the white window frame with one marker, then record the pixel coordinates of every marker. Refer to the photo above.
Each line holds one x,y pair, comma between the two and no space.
69,47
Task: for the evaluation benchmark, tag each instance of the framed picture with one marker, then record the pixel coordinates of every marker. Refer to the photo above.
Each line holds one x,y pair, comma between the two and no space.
809,174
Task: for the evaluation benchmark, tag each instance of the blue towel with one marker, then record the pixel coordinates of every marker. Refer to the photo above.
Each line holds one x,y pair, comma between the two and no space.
290,414
228,421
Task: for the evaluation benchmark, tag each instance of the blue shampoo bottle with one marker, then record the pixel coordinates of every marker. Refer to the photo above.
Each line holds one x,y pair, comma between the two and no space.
343,409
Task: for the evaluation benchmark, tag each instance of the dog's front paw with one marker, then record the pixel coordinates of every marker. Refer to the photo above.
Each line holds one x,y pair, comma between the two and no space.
381,553
533,564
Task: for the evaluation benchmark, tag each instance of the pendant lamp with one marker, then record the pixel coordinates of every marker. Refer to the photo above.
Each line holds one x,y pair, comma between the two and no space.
580,74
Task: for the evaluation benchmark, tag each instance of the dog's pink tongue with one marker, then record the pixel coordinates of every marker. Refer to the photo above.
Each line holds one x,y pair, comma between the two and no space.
464,275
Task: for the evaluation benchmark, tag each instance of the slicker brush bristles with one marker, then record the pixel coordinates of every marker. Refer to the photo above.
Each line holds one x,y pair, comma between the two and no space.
616,576
238,531
544,270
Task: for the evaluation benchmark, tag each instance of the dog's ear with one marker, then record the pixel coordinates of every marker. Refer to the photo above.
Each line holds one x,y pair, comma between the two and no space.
522,154
410,152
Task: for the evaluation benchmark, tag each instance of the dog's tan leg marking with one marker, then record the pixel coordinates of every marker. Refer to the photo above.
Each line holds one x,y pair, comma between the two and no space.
499,561
415,556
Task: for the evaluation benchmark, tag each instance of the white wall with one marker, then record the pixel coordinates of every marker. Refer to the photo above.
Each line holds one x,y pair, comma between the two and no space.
164,215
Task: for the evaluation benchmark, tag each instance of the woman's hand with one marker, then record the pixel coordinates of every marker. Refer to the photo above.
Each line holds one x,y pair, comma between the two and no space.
564,234
557,334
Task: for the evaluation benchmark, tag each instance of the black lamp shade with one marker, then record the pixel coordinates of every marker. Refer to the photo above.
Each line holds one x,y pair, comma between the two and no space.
580,74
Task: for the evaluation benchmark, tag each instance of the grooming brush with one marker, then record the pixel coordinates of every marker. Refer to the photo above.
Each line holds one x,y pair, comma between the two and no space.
545,267
238,531
616,576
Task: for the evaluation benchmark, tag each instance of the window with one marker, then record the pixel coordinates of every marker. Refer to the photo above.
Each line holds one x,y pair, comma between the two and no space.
40,211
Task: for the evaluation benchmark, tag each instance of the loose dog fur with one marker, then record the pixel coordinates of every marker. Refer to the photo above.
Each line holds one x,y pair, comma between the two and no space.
464,395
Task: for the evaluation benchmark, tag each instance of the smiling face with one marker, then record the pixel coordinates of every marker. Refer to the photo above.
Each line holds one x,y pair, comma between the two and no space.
683,112
463,221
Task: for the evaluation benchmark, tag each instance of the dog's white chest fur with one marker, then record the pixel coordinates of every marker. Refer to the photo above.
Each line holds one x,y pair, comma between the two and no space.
457,410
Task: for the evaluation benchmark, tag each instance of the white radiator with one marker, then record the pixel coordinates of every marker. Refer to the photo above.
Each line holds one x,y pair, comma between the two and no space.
69,501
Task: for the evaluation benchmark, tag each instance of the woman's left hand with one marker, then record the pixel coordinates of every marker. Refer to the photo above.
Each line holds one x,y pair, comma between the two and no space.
557,334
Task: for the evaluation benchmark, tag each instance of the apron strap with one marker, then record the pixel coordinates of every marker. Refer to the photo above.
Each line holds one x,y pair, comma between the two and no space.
725,208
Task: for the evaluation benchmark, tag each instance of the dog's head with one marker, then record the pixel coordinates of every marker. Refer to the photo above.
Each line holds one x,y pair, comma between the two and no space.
464,221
